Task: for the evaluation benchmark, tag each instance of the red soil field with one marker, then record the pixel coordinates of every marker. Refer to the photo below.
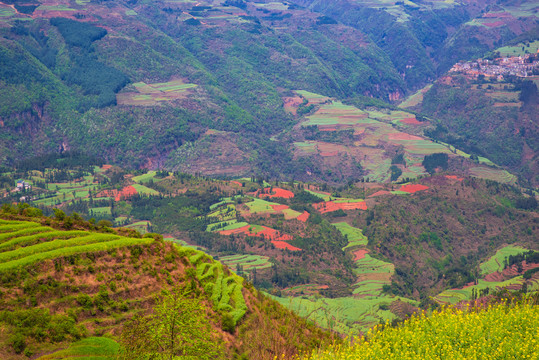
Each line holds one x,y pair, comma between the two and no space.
284,245
277,192
410,121
360,254
454,177
241,230
402,136
329,206
277,239
237,183
412,188
125,193
327,128
303,217
106,167
380,193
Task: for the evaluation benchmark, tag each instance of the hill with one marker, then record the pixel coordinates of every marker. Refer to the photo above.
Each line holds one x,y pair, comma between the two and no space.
63,279
167,83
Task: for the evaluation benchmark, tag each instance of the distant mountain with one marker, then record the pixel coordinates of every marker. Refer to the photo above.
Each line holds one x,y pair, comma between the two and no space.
143,83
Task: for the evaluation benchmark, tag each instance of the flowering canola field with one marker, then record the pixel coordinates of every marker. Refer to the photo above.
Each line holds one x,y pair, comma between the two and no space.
499,332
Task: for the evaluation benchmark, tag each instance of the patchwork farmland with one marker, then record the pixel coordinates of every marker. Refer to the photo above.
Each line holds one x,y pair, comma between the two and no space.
370,137
151,94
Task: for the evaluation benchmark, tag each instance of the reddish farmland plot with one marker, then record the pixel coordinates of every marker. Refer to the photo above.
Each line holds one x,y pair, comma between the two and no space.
276,193
360,254
303,217
329,206
126,193
413,188
277,239
380,193
284,245
411,121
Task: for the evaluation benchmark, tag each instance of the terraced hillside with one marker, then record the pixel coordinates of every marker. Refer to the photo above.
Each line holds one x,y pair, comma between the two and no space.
80,282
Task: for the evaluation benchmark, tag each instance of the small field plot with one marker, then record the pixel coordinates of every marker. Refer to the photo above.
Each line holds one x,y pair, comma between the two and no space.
141,189
152,94
415,99
144,178
354,235
259,206
395,117
140,226
100,211
490,173
496,262
322,195
312,98
340,204
226,225
337,116
224,213
246,262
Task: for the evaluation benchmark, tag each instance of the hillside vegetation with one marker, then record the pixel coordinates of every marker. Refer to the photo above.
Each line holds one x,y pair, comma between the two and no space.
80,282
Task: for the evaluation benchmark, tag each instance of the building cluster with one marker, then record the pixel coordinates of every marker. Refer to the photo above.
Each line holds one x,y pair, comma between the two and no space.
521,66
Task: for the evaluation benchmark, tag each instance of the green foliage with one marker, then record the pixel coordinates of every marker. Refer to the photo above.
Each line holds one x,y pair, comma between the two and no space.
177,327
40,325
78,33
396,172
431,162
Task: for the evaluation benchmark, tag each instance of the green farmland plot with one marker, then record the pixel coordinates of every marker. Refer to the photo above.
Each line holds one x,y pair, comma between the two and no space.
144,178
140,226
246,262
496,262
354,235
345,315
226,225
259,206
141,189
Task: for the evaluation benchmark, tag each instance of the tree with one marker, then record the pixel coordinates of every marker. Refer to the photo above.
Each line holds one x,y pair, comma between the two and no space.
177,329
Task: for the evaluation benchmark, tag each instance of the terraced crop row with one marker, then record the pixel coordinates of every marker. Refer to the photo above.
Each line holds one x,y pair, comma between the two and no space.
225,290
23,243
